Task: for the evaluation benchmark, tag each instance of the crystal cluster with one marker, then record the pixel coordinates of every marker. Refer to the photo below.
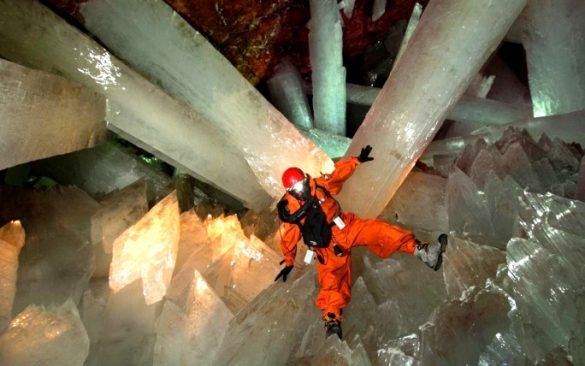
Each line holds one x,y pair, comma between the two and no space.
164,47
138,110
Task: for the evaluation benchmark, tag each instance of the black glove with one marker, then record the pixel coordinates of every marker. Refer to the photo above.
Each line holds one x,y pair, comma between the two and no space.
285,271
364,155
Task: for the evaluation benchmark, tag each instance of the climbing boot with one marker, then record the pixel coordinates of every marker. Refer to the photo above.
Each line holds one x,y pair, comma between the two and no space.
332,325
432,253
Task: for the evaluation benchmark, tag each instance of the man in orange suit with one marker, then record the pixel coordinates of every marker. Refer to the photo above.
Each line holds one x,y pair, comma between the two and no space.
308,210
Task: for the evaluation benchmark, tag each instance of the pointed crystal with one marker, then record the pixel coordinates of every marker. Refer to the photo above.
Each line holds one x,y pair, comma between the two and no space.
11,242
467,264
119,210
148,250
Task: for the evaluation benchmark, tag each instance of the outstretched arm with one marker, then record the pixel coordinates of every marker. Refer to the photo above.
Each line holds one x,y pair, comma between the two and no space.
344,169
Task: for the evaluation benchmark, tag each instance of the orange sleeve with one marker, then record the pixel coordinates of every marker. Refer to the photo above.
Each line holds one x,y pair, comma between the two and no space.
344,169
290,234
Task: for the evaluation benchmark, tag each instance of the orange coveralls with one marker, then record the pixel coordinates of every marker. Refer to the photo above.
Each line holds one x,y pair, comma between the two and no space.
334,273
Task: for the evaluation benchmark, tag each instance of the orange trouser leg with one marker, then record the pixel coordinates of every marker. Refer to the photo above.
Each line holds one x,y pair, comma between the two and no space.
334,273
380,237
334,276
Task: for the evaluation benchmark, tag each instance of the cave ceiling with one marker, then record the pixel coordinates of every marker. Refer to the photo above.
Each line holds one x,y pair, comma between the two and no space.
256,34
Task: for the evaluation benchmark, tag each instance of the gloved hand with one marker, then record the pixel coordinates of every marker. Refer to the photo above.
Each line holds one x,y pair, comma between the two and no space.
285,271
364,155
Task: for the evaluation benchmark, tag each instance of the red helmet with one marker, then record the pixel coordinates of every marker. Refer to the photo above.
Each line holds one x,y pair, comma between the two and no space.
291,176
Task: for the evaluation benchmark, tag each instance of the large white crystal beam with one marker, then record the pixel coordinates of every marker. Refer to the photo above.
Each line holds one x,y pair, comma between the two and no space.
468,109
412,24
148,251
31,34
325,51
567,127
288,95
43,115
11,241
554,39
451,43
161,45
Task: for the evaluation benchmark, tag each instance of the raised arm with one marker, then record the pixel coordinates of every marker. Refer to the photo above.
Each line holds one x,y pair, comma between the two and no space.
344,169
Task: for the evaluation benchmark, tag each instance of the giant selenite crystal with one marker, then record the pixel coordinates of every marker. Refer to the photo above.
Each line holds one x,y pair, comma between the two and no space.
288,95
137,109
40,336
148,251
554,39
11,241
325,50
160,44
454,38
43,115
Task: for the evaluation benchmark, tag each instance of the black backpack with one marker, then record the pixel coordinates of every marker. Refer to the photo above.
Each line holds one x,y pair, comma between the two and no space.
316,230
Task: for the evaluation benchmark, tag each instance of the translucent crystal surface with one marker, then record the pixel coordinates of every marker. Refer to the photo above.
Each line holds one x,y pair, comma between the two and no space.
555,54
276,320
104,169
190,332
333,145
40,115
449,338
11,241
148,251
419,203
119,210
169,51
328,73
137,109
467,264
412,106
288,95
39,336
412,24
57,261
546,273
122,325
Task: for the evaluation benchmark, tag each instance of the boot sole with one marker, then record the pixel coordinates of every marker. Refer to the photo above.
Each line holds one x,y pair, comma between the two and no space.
444,240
